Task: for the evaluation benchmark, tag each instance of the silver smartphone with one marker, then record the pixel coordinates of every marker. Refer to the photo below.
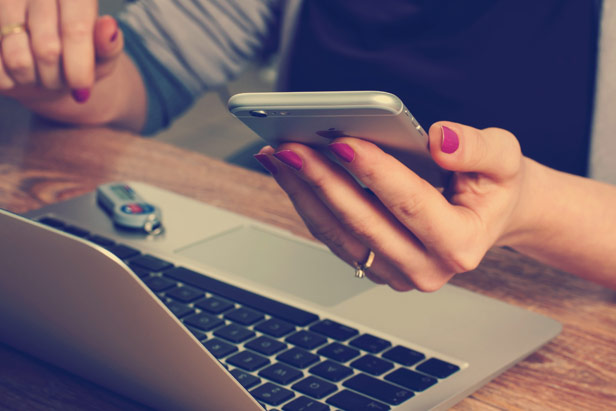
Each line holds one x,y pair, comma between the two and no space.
316,118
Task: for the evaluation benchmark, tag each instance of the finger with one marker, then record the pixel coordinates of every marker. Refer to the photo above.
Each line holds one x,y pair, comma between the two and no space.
6,82
421,208
45,39
359,213
493,152
108,45
77,19
16,54
325,226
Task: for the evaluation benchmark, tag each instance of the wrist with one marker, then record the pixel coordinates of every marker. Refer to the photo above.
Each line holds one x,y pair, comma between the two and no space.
529,212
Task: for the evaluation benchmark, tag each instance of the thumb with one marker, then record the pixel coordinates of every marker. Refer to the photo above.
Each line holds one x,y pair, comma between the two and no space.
492,152
108,39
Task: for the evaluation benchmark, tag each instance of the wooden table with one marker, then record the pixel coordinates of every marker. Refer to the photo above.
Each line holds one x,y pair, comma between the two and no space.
42,163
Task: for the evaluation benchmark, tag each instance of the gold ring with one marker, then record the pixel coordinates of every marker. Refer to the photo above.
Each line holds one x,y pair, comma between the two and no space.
360,269
15,28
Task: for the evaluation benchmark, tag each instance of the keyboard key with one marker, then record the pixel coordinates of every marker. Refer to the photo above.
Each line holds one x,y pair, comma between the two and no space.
281,373
338,352
178,309
403,355
437,368
298,358
248,360
315,387
272,394
244,316
266,345
304,404
370,343
234,333
185,294
52,222
139,272
378,389
331,371
199,335
148,262
203,321
372,365
410,379
158,284
219,348
214,305
100,240
306,339
76,231
275,327
348,400
274,308
247,380
334,330
123,251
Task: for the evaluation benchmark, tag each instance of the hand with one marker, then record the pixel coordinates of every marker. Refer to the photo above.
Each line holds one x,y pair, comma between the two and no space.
420,236
64,48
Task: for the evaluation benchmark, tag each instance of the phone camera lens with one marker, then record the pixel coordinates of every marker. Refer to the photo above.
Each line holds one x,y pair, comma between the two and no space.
258,113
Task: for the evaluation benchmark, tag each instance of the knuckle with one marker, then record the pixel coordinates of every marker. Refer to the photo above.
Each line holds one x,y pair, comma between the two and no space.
461,262
19,63
411,206
76,30
48,52
329,235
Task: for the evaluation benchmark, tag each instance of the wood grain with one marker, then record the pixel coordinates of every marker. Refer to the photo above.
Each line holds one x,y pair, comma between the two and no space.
42,163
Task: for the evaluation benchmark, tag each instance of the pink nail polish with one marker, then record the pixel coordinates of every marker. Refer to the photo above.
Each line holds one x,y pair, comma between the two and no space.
114,36
81,95
449,141
343,151
289,158
267,164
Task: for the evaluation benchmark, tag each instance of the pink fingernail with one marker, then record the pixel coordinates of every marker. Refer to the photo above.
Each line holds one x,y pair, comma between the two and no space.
267,164
289,158
342,150
114,36
449,141
81,95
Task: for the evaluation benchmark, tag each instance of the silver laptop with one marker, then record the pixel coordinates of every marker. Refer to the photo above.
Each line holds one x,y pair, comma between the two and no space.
224,312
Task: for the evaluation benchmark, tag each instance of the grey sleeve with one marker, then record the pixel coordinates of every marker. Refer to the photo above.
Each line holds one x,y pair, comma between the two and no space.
203,43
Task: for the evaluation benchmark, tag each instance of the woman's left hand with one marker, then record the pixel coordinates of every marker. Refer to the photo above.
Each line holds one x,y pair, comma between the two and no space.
420,236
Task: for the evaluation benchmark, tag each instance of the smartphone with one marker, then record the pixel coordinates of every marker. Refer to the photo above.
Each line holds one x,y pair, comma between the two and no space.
316,118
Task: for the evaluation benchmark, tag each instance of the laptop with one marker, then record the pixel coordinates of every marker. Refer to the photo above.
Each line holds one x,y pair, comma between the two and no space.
224,312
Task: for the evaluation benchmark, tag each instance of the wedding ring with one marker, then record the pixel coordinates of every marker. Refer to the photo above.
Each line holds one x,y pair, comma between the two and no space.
360,269
15,28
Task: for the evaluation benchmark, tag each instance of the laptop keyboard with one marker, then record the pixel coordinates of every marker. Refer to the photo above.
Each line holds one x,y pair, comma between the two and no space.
286,357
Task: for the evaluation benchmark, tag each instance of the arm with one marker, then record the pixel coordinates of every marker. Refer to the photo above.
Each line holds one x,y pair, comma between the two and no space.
66,63
568,222
420,237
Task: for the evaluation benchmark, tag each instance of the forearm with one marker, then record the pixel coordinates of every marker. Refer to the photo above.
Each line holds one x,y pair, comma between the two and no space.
118,100
569,222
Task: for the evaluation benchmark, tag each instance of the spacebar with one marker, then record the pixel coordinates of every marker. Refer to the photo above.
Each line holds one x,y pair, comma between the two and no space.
247,298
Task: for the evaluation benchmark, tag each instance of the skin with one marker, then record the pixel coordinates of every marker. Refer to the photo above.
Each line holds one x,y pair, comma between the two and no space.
69,65
422,237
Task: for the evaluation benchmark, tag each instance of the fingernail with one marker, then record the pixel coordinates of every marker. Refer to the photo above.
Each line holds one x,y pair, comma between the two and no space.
289,158
267,164
81,95
114,36
450,141
343,151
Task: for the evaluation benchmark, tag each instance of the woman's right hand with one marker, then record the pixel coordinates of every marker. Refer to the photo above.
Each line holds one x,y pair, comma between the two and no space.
55,47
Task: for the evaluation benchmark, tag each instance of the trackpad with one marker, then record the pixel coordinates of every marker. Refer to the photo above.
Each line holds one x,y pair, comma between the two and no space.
277,261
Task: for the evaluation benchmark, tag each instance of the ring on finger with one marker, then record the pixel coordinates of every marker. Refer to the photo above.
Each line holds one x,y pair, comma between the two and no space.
15,28
360,268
